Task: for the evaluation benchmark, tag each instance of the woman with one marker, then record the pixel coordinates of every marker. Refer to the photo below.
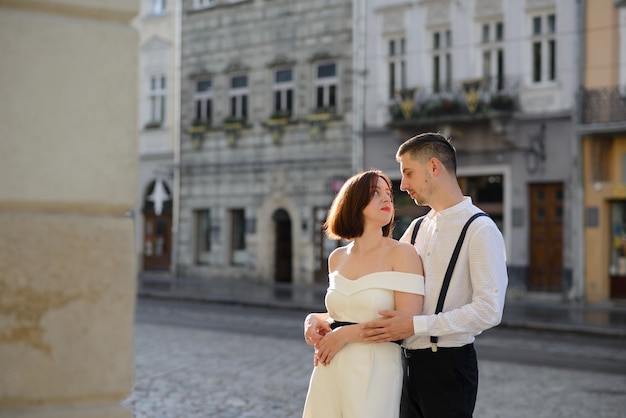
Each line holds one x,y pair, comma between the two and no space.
373,272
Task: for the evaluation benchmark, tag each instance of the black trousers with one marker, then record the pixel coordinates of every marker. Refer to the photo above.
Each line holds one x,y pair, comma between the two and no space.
440,384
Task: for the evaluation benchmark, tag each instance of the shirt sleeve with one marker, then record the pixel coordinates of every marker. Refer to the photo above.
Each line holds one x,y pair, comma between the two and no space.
489,280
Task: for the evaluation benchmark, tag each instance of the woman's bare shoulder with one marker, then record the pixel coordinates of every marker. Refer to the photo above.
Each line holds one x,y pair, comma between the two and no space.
404,257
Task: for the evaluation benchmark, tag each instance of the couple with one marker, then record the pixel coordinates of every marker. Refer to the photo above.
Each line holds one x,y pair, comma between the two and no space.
381,291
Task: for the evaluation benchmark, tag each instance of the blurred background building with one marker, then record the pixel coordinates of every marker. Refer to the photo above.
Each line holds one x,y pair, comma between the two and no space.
280,101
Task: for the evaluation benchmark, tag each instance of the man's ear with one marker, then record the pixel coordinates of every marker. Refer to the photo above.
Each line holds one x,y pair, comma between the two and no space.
434,166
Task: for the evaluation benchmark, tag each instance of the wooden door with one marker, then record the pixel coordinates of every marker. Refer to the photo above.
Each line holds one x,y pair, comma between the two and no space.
546,237
157,239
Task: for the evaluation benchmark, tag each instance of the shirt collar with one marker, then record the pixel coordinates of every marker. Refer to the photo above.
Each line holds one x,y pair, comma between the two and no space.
452,210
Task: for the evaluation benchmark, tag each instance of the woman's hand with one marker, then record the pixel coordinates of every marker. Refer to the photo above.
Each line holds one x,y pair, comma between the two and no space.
315,327
329,346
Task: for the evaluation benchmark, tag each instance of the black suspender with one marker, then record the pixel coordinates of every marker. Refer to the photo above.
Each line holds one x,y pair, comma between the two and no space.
455,255
415,228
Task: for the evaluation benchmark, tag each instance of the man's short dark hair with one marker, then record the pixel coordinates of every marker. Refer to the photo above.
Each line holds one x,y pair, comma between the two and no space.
428,145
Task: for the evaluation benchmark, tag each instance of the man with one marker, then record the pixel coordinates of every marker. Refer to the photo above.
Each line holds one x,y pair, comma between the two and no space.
441,379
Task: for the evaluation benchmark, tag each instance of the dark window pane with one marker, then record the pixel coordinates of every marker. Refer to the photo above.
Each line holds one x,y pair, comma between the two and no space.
289,101
202,86
537,25
552,58
198,109
320,97
233,106
277,97
239,81
326,70
244,106
332,96
209,109
283,76
499,31
392,48
537,61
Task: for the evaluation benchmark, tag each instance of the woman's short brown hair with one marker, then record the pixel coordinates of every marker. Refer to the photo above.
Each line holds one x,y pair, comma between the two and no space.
345,217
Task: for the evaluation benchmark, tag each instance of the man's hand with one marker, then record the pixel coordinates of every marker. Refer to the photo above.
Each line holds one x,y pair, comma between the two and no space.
393,326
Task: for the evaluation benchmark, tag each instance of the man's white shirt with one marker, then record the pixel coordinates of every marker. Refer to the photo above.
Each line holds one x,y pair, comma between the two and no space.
475,298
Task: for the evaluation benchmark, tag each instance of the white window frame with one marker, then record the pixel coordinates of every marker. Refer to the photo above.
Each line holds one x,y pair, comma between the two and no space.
492,55
396,64
545,39
327,84
239,96
157,98
441,60
283,89
203,98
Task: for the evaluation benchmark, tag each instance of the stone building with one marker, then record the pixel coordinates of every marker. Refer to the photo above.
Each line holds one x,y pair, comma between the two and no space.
158,25
500,78
267,136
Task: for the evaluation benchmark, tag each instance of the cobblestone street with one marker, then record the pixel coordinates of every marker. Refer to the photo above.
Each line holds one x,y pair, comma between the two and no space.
184,372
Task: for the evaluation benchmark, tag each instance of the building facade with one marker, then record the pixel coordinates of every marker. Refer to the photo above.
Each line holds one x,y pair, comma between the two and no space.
266,105
158,26
602,130
499,77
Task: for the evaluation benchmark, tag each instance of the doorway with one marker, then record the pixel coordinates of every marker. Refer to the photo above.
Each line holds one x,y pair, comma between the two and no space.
546,237
283,250
157,226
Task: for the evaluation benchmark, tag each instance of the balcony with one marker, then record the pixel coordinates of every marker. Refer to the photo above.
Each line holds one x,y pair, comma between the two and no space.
471,101
605,105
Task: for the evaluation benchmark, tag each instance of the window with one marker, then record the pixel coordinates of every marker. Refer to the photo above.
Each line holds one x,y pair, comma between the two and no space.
543,48
156,98
238,237
203,235
203,99
326,87
158,6
493,55
442,61
283,91
397,66
239,97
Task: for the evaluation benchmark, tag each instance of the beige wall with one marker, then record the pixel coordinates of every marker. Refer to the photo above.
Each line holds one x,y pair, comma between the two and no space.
598,239
602,44
68,168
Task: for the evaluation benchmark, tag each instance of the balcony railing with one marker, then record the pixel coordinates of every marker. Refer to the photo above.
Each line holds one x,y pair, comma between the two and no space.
467,100
603,105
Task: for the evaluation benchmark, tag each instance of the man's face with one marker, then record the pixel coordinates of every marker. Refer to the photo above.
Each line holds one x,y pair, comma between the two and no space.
416,180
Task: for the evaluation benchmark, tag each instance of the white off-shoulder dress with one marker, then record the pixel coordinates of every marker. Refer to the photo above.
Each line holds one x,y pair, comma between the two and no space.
363,380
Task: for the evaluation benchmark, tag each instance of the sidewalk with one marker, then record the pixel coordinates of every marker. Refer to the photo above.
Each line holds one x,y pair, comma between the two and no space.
601,319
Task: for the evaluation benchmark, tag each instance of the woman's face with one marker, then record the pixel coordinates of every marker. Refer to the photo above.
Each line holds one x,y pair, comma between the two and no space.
380,208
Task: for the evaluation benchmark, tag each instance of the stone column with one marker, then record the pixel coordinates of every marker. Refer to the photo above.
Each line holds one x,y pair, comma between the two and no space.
68,175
